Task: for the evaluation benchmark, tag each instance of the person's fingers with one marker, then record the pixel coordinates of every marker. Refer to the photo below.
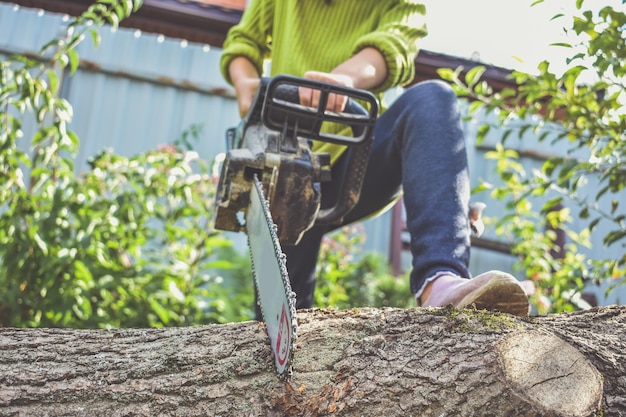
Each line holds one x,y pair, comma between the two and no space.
330,104
335,102
244,106
307,97
246,90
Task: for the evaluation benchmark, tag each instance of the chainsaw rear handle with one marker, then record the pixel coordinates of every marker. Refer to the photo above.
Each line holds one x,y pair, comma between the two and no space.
282,111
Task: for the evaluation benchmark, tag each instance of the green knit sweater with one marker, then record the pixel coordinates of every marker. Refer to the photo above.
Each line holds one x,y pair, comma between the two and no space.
302,35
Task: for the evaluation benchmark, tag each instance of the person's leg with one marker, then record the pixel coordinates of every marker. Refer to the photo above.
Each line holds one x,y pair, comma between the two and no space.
301,263
419,148
302,258
419,144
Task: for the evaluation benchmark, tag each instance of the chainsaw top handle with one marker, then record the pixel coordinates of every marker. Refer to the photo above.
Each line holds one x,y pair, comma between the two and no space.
282,111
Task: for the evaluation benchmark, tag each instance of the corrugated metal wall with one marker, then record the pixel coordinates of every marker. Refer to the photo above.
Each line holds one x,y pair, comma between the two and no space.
134,92
137,91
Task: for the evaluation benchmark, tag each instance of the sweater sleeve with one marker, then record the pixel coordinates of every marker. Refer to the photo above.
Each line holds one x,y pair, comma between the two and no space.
396,38
250,38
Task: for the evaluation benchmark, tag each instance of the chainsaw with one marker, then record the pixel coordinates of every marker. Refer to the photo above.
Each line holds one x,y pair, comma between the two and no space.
270,185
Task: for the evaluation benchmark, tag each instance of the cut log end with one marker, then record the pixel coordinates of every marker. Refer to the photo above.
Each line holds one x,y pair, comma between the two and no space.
551,374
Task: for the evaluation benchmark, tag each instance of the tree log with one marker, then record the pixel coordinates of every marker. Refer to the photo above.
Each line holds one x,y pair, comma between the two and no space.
367,362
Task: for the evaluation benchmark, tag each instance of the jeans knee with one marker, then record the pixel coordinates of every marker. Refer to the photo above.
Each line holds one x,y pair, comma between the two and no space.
432,91
432,101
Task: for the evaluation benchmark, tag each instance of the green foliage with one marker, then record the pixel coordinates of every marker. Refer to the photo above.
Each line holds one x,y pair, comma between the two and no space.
126,243
345,281
581,111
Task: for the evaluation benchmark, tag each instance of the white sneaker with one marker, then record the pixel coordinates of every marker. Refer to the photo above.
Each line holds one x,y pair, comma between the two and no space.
493,291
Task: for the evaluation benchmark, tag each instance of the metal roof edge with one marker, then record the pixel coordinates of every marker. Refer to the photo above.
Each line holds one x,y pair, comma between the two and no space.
209,24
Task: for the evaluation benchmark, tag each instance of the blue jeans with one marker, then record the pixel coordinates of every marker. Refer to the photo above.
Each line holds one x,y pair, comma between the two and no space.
419,149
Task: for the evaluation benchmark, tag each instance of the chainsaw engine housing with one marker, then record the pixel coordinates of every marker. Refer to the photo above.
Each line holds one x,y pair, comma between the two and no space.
273,142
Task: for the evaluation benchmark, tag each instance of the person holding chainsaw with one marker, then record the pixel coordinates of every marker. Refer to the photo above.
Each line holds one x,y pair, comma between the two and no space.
418,149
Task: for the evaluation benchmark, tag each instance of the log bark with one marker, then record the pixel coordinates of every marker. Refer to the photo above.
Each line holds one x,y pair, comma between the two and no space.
367,362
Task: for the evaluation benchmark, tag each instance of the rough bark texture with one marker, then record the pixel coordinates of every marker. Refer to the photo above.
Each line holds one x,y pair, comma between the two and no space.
368,362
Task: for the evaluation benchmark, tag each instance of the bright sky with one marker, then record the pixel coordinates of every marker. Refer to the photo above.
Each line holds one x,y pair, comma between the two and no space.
506,33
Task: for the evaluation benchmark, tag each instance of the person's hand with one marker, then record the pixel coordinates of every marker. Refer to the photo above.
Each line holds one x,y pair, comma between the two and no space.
245,89
336,102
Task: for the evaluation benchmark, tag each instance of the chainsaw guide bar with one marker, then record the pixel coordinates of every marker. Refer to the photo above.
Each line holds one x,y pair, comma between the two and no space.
276,299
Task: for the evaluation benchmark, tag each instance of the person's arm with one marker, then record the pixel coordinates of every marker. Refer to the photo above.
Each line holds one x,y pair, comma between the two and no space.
245,49
245,79
383,58
396,37
365,70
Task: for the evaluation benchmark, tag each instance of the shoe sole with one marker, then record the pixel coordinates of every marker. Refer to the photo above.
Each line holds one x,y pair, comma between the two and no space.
500,293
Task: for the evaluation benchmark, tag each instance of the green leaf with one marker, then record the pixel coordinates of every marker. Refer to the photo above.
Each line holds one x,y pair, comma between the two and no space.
482,132
113,19
41,135
505,135
95,37
446,74
74,60
50,45
584,213
562,44
53,81
522,131
475,106
594,223
473,75
551,204
614,236
40,243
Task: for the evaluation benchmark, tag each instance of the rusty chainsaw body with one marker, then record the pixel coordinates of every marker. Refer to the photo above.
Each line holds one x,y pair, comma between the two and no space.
270,185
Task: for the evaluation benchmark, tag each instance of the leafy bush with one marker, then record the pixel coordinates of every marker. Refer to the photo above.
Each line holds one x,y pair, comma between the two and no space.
346,280
580,112
127,243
